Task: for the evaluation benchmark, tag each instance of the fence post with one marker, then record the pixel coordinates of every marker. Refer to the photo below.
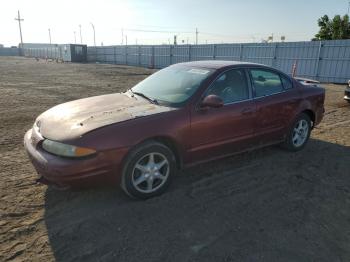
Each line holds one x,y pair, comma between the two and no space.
273,63
240,52
126,54
170,54
139,50
152,57
104,55
189,52
319,58
114,55
214,52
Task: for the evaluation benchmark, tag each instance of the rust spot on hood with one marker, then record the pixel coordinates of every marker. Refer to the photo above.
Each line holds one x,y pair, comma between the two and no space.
73,119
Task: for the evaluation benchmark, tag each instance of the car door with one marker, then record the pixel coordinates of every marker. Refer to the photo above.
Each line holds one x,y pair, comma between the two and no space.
276,101
221,131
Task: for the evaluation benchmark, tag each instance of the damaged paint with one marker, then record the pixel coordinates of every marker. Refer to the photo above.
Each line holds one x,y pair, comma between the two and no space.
73,119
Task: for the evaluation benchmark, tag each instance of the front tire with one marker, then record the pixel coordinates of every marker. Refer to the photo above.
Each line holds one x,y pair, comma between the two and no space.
299,133
148,170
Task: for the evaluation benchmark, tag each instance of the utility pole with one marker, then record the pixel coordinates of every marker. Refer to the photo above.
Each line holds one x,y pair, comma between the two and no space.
18,18
349,8
50,35
81,38
122,36
75,38
196,36
126,39
93,28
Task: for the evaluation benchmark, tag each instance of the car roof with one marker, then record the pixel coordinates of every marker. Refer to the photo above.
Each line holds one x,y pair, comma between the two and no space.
217,64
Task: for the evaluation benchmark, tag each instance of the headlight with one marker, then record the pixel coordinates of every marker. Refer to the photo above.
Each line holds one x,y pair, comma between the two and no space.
61,149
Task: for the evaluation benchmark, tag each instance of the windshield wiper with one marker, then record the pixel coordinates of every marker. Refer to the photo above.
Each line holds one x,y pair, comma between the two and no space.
152,100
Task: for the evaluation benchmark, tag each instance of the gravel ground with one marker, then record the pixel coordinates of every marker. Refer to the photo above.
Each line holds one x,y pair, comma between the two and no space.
266,205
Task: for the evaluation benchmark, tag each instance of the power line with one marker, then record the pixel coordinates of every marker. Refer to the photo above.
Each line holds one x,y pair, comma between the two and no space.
158,26
157,31
160,31
20,28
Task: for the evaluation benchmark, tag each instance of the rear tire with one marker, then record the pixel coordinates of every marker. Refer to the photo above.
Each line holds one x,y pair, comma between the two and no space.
148,170
298,134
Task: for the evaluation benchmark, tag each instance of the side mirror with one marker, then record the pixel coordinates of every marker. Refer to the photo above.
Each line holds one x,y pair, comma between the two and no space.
213,101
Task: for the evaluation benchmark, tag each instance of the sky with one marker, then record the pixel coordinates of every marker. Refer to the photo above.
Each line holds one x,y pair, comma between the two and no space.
157,21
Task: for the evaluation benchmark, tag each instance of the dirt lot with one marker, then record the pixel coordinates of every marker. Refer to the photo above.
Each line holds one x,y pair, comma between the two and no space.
268,205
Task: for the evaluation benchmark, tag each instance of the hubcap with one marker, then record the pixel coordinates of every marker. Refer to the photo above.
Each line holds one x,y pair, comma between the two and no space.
300,132
150,172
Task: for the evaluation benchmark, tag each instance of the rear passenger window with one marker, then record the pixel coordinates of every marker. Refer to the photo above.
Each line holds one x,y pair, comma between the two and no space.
266,82
287,84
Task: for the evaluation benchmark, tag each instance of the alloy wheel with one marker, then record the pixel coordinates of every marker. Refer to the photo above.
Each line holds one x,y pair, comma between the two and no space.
300,133
150,172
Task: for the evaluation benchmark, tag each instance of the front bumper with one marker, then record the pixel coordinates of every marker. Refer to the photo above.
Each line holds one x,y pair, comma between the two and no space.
102,168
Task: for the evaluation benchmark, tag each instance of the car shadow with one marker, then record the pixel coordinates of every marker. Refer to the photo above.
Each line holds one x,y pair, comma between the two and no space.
265,205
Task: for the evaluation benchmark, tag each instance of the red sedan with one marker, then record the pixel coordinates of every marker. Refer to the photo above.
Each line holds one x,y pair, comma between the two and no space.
180,116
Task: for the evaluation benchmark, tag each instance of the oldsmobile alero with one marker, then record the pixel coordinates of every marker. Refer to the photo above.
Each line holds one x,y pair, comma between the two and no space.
182,115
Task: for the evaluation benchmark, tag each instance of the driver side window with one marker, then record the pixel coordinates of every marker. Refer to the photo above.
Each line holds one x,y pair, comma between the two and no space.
231,86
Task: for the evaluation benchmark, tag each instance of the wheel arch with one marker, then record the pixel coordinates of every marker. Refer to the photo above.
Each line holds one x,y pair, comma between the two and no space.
311,114
165,140
173,146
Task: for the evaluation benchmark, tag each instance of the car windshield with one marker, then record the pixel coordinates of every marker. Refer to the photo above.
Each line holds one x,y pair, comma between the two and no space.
173,85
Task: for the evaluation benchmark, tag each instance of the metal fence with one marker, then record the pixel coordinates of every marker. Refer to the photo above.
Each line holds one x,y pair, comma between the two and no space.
52,52
326,61
7,51
64,52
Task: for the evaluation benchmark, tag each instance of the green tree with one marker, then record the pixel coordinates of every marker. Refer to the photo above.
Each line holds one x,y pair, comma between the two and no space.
332,29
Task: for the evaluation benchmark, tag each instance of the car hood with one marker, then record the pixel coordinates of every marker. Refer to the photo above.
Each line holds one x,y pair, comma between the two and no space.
73,119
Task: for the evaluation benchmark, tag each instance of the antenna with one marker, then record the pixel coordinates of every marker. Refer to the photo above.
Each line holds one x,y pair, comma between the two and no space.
18,18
